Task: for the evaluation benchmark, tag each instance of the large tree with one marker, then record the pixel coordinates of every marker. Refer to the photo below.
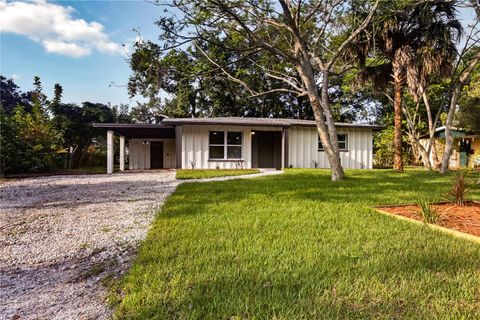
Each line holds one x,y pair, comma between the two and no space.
408,42
302,40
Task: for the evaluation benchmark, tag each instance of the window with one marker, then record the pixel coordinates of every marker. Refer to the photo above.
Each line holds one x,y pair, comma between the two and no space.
342,142
224,145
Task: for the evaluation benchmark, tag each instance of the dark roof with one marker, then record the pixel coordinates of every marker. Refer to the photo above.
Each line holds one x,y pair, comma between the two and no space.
166,128
139,130
267,122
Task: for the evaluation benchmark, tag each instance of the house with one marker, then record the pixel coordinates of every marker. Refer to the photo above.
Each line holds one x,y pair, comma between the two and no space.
465,146
230,142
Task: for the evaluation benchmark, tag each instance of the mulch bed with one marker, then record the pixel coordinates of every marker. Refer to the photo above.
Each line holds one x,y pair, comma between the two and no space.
464,219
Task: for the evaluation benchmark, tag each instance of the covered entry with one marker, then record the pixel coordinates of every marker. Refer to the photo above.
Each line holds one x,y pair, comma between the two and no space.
150,146
267,149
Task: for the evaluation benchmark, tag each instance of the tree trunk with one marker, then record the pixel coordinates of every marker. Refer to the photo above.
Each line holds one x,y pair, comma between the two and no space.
448,130
418,149
432,126
319,110
397,106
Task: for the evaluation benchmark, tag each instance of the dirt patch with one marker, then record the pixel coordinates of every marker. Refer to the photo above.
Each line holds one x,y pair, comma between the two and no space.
460,218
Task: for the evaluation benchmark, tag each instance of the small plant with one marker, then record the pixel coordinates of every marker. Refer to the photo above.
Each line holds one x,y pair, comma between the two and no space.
427,211
315,164
193,163
217,167
460,187
239,165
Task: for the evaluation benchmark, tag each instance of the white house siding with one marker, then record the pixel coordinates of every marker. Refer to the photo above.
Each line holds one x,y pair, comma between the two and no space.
303,148
139,153
195,146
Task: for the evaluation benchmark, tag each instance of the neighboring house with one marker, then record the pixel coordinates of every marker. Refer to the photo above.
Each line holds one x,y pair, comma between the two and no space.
210,143
466,147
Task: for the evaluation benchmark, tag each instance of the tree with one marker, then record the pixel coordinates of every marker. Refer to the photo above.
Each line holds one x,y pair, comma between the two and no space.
468,61
411,41
29,141
57,96
75,124
10,96
303,41
195,90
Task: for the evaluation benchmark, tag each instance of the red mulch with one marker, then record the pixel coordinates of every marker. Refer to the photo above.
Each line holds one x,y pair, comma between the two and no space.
464,219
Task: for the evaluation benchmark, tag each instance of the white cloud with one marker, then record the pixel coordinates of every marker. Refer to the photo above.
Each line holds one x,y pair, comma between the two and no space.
53,26
15,77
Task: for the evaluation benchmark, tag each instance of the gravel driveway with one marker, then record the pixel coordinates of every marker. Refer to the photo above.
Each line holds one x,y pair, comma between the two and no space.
63,237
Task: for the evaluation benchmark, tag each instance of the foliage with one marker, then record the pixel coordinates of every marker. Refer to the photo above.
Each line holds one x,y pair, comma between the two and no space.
468,115
427,211
211,173
298,246
29,142
33,129
10,96
195,89
383,147
461,187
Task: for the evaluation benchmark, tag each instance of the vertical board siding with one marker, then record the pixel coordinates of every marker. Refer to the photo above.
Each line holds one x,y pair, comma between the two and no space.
195,147
303,148
139,154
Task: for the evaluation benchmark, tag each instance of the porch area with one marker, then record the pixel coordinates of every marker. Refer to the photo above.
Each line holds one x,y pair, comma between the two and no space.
140,146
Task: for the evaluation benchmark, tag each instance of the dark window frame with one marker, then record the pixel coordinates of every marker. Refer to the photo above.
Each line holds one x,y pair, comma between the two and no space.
226,145
320,146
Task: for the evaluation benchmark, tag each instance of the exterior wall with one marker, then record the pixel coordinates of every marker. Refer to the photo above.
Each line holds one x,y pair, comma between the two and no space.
195,147
453,162
303,148
139,153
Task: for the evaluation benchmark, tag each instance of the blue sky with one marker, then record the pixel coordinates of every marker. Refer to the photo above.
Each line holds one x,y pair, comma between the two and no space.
84,78
77,44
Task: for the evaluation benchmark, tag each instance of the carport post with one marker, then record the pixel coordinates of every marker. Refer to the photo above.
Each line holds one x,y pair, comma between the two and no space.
110,151
122,153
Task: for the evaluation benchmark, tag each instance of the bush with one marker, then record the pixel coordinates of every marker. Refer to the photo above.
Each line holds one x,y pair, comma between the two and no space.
461,187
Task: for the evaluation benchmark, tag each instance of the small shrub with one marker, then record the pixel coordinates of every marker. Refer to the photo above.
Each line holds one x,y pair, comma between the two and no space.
427,211
460,188
239,165
315,164
193,163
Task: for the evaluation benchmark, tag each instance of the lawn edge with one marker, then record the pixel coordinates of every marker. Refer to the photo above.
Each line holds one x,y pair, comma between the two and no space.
455,233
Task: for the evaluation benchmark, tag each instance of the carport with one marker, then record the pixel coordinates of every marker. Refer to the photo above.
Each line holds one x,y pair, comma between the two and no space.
153,144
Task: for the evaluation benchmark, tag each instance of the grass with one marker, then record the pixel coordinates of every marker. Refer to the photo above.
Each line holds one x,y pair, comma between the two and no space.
212,173
298,246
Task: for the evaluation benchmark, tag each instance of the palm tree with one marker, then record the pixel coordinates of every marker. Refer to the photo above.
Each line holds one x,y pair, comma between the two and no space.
408,43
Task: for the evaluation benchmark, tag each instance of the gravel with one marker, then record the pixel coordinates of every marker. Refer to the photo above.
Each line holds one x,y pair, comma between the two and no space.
63,237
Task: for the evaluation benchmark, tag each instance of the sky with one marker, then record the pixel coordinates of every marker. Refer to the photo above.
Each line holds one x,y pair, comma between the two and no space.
79,44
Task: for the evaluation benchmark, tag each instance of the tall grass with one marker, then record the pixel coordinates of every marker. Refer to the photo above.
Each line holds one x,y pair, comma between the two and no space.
427,211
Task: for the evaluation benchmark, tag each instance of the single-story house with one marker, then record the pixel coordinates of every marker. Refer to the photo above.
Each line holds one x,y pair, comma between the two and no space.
465,145
231,142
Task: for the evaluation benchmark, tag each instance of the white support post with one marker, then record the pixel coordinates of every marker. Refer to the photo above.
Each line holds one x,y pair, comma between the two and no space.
110,151
122,153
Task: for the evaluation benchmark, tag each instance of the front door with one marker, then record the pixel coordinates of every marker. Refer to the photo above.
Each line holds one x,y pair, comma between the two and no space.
267,149
156,154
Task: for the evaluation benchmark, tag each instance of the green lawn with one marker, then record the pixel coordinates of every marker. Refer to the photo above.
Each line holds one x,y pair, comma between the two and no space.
297,246
212,173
